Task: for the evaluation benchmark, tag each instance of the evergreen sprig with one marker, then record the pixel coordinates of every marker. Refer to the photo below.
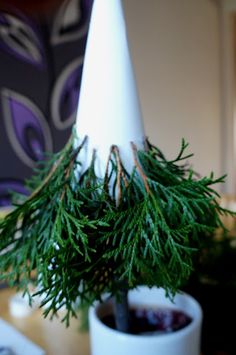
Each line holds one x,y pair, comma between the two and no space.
80,235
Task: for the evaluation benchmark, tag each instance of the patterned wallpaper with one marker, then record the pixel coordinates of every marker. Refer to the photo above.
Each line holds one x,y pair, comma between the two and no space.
41,60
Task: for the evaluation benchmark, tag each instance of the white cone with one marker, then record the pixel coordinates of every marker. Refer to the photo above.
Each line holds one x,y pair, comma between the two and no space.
109,110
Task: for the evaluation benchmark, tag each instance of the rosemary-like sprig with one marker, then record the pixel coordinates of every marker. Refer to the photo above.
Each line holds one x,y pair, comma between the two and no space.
79,243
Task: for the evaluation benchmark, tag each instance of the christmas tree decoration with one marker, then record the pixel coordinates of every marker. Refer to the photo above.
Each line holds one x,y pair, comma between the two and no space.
109,212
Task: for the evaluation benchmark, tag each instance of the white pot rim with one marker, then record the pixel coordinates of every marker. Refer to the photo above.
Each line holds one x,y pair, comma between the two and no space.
165,337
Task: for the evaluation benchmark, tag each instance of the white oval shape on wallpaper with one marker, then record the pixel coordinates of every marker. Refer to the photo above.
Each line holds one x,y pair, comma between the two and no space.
65,95
20,38
26,127
71,21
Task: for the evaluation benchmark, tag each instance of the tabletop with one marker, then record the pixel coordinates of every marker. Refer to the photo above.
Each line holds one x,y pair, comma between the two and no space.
52,336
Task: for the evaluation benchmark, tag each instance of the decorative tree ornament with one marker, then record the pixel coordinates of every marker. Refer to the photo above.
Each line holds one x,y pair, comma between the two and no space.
130,217
109,111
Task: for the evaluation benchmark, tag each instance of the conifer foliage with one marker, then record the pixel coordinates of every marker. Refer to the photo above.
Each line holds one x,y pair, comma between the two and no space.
81,236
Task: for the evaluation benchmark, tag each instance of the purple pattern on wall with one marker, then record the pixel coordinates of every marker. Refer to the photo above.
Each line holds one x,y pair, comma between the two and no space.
20,39
41,60
27,130
7,186
26,127
70,94
66,94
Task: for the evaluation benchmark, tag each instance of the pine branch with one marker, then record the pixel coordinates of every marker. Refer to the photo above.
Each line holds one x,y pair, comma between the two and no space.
79,243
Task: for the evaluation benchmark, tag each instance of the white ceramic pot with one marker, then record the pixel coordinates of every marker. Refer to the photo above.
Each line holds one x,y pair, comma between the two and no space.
106,341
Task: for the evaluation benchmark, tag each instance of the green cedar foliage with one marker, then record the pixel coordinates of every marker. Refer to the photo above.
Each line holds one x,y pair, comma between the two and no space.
81,236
